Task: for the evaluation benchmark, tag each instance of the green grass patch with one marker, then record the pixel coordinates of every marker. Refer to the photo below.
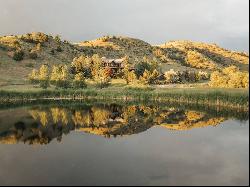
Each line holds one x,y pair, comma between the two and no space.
235,98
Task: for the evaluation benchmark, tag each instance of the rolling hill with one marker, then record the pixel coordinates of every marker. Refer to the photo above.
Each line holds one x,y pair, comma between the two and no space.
39,48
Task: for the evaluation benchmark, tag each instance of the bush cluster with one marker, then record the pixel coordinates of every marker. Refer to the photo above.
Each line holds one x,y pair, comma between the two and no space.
229,77
17,55
172,76
60,77
36,37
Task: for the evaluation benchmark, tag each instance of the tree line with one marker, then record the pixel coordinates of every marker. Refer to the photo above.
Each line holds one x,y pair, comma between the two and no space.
145,72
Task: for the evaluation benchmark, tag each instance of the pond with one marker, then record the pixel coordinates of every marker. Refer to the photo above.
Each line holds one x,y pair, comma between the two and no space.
123,144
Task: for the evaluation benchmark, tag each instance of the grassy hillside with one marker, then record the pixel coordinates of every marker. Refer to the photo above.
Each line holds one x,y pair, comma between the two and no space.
47,49
203,56
39,48
118,47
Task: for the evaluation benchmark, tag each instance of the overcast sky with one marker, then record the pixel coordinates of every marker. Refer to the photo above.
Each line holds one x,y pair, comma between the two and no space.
224,22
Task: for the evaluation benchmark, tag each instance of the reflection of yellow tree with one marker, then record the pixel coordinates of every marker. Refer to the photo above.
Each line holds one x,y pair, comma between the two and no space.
55,112
81,118
42,116
193,115
65,119
147,110
129,112
60,114
129,120
34,114
101,115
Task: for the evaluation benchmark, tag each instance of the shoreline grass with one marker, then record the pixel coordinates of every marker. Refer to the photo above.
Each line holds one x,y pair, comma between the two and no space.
233,98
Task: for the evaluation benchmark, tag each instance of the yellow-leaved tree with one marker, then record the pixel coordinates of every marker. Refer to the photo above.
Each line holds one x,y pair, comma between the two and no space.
44,76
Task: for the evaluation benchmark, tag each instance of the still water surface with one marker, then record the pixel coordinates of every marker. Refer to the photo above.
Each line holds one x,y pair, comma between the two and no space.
109,144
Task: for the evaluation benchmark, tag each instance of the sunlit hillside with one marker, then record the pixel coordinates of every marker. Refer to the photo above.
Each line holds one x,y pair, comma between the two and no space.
204,56
118,47
22,53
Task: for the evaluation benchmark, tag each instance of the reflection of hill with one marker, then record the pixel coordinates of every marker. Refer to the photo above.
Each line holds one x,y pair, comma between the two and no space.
41,125
192,120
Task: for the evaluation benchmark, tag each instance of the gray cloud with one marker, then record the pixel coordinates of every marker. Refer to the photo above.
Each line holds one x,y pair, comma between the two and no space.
224,22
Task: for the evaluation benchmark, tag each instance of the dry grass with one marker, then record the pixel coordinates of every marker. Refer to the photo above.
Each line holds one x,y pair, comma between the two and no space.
210,52
12,72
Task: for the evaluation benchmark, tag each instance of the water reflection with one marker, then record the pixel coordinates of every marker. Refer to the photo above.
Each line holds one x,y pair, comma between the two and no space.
42,124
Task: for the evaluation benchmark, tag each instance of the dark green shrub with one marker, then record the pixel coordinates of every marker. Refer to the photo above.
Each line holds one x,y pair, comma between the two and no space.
59,49
52,52
44,84
18,55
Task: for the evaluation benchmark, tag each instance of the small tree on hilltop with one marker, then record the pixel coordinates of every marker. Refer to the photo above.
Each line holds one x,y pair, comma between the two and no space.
58,39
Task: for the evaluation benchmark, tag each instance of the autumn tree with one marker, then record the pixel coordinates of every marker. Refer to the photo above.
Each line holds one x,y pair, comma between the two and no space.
18,55
83,65
60,76
34,76
79,81
149,77
141,67
44,76
126,69
230,77
102,79
97,65
172,76
131,77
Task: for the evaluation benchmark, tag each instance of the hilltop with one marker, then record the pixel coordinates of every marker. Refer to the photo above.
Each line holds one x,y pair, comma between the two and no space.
204,56
21,53
118,47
